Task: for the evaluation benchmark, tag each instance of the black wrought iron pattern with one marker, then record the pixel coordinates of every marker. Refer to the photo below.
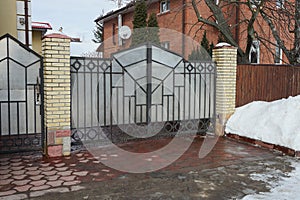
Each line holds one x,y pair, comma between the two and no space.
147,86
21,96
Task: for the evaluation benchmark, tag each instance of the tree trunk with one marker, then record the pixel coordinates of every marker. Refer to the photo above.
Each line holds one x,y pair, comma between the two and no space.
297,33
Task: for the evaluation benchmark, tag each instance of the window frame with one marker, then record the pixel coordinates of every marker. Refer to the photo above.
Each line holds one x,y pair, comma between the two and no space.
165,44
278,55
114,34
256,50
280,4
164,6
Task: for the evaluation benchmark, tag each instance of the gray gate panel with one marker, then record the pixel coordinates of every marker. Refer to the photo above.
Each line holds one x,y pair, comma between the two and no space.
114,94
21,126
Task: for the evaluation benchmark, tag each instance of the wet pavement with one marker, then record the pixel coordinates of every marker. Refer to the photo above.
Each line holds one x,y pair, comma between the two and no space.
230,171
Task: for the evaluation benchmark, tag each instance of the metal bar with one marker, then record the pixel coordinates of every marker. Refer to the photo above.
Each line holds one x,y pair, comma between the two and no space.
41,70
189,93
173,90
134,63
97,93
162,106
209,102
215,96
12,101
91,98
141,114
5,58
8,89
34,107
21,64
0,119
160,63
129,107
194,90
178,109
205,93
18,120
96,72
77,99
168,111
111,102
123,79
84,98
200,94
117,106
104,97
156,114
149,84
128,74
135,103
26,99
184,88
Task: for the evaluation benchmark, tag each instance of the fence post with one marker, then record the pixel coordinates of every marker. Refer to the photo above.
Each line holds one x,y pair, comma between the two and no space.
225,57
57,94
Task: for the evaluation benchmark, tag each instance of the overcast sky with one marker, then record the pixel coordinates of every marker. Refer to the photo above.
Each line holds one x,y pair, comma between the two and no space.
75,16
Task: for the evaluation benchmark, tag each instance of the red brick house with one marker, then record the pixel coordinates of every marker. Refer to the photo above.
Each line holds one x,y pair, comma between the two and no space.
179,29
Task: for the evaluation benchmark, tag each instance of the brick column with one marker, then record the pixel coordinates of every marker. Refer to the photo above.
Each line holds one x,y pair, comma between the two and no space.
57,94
225,57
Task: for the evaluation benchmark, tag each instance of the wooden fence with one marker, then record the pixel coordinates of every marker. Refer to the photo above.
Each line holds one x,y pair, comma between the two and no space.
266,82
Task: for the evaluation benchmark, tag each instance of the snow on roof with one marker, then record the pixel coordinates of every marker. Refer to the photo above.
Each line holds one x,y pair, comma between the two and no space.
41,25
123,9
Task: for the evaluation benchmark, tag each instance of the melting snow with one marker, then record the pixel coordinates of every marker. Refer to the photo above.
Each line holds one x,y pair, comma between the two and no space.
286,188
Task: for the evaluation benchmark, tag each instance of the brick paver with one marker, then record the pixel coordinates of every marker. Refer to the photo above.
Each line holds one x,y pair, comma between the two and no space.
33,175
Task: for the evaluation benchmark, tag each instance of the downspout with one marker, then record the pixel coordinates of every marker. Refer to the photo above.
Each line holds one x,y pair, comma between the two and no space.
120,24
26,23
237,19
183,27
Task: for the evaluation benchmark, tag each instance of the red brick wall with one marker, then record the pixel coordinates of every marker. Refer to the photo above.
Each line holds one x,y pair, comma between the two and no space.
173,22
263,30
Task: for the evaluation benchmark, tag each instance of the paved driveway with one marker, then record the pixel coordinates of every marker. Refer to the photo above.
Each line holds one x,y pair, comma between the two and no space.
230,171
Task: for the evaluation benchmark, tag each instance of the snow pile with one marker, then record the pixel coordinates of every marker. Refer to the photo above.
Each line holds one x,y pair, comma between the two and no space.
276,122
287,188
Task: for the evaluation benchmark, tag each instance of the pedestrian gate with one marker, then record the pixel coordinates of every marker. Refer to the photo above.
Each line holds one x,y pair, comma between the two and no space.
21,127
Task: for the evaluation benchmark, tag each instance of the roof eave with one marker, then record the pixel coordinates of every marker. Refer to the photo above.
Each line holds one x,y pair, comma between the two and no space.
128,8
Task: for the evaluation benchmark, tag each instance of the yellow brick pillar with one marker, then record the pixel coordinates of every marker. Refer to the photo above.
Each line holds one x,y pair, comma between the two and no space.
225,57
57,94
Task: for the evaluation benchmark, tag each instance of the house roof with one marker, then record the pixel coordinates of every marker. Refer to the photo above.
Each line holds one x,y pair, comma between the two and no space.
41,26
125,9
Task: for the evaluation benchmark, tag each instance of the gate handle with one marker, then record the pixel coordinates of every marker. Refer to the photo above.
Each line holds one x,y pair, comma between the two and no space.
37,91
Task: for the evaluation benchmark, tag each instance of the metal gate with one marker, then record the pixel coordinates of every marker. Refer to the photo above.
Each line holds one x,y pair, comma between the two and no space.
142,92
21,96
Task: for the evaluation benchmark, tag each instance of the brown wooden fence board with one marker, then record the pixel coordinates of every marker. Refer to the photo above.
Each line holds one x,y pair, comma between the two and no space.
266,83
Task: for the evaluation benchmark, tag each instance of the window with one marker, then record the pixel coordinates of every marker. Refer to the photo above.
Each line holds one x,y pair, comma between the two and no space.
114,34
278,55
279,4
254,52
164,6
254,4
165,45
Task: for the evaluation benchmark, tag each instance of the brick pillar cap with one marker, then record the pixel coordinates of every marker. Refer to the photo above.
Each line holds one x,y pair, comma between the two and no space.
224,45
57,35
